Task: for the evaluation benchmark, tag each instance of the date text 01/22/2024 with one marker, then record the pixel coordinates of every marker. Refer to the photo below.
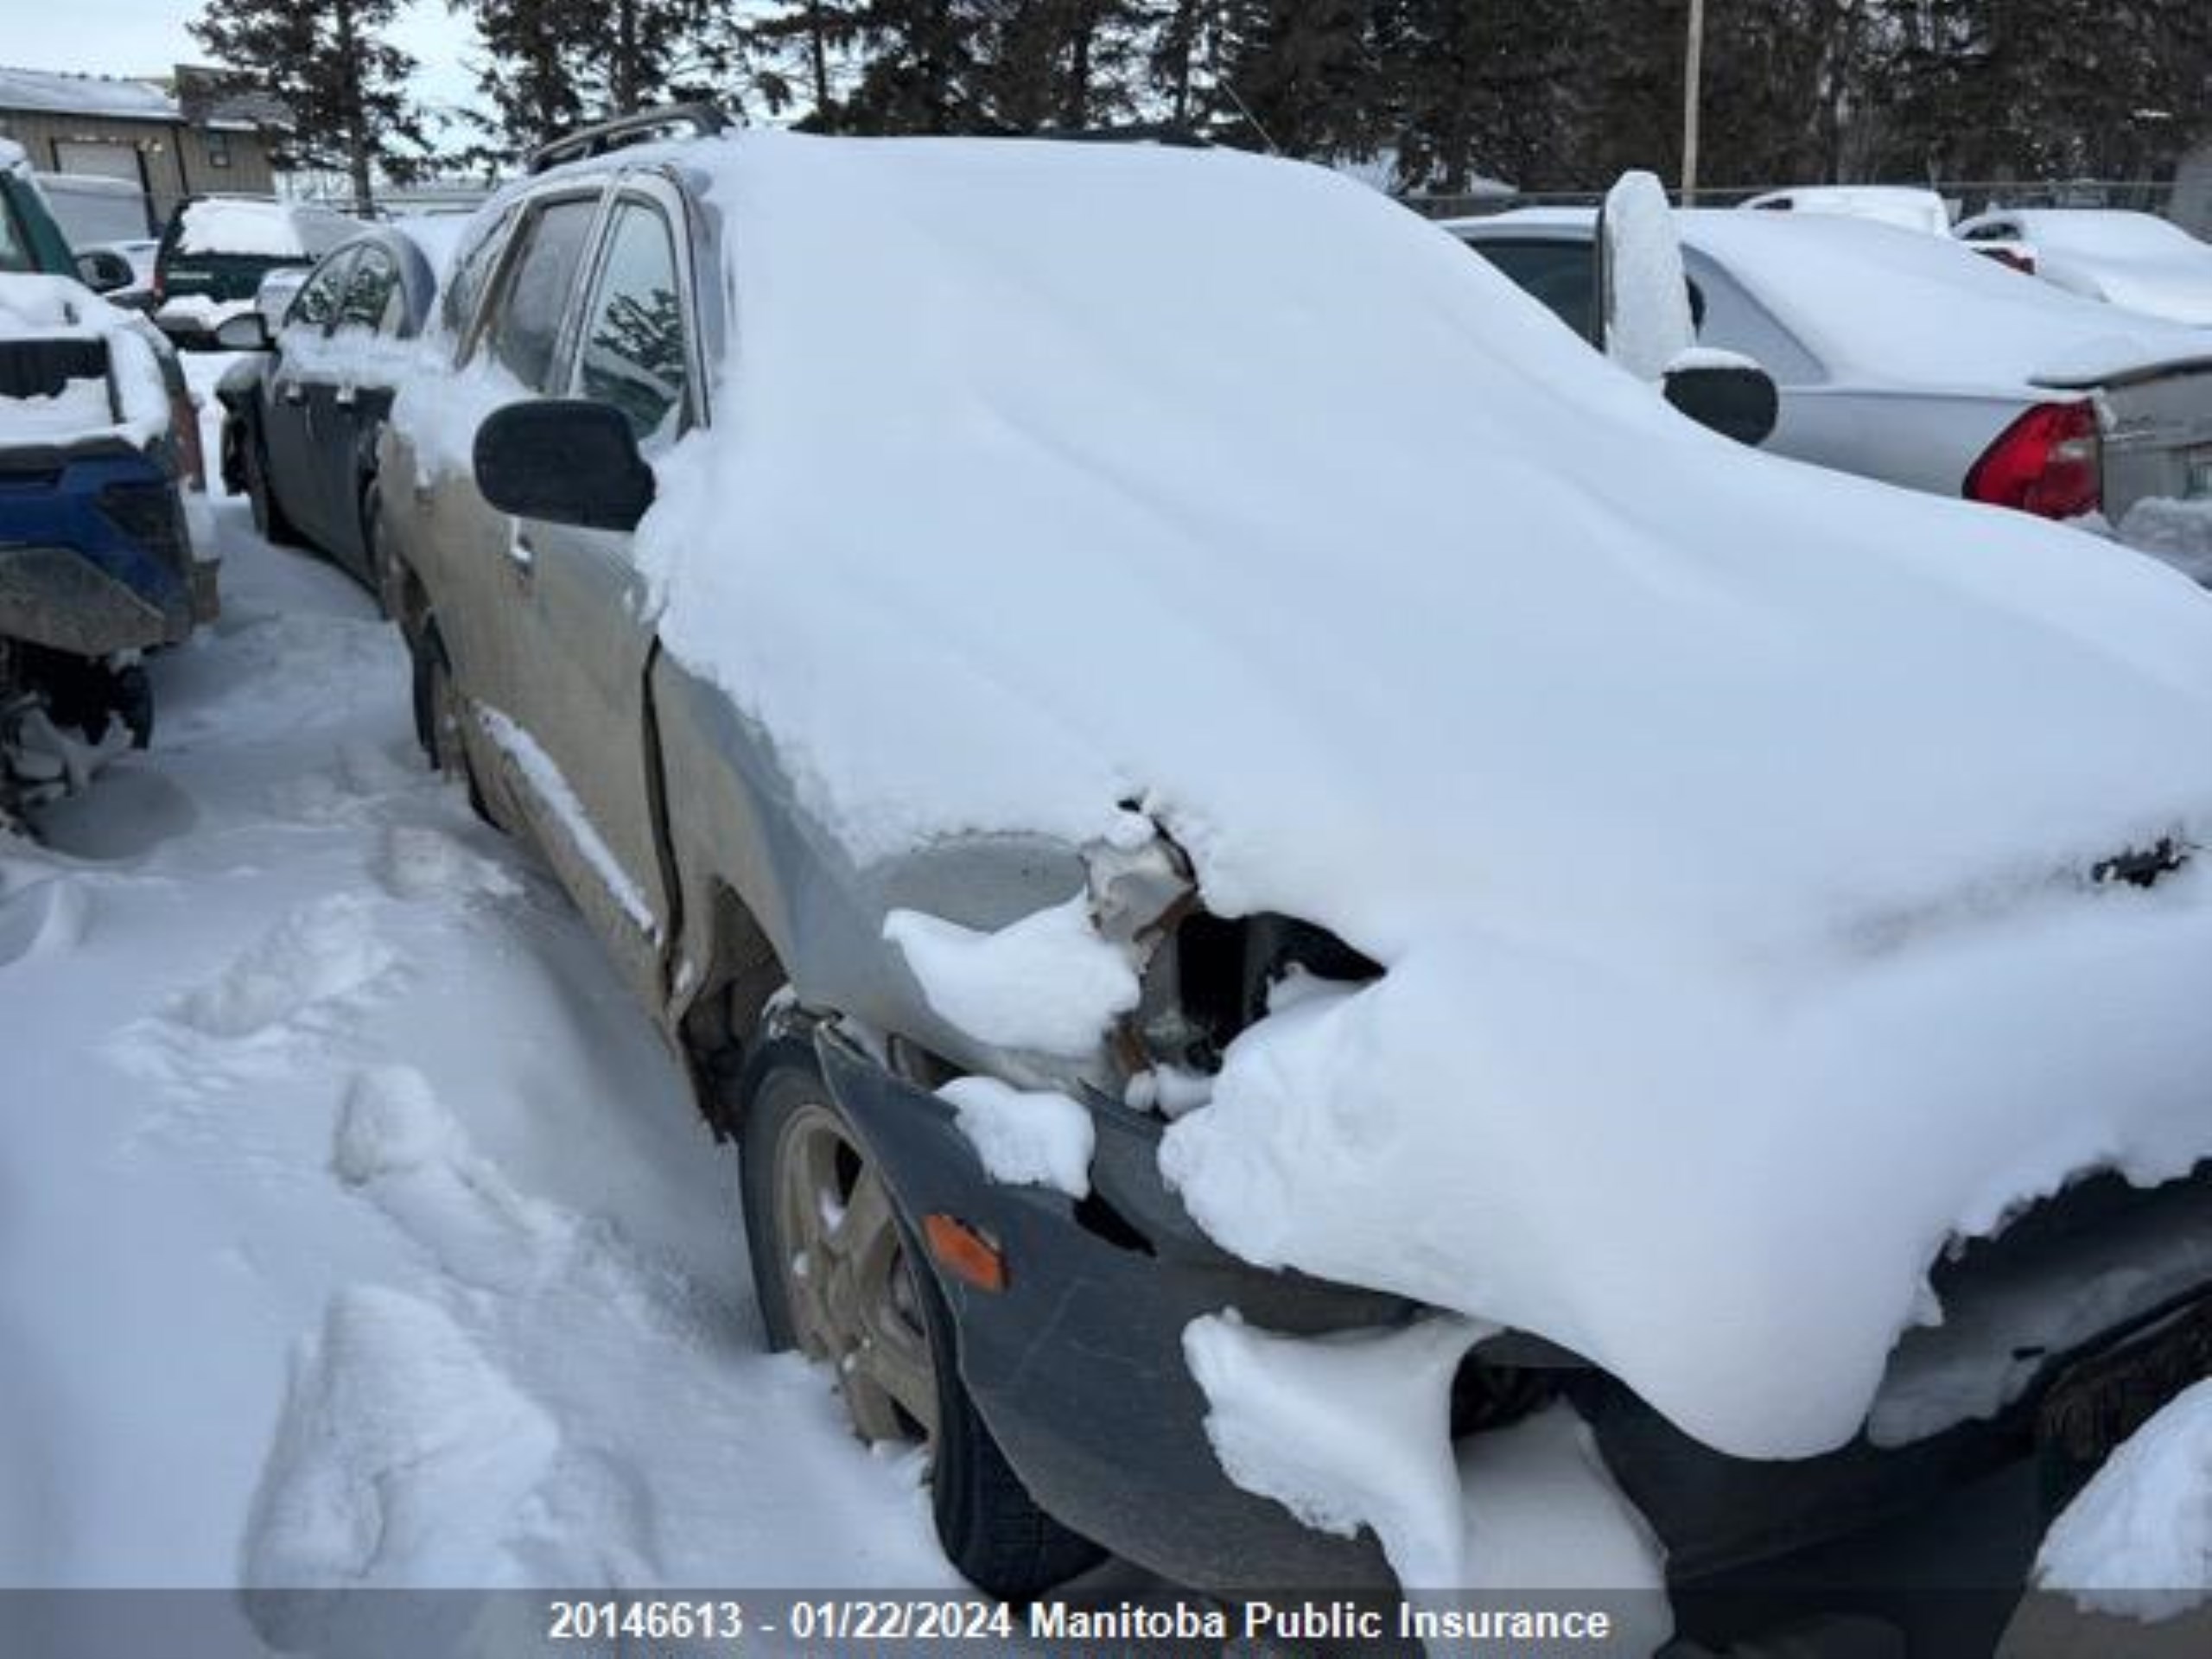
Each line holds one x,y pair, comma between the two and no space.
724,1619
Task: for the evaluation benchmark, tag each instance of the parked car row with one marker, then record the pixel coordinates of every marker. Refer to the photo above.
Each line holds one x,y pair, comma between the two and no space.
1157,656
776,621
2136,261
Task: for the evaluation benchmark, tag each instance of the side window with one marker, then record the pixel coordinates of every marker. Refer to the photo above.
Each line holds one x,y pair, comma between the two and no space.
525,325
1997,232
317,303
472,264
369,289
632,352
1563,275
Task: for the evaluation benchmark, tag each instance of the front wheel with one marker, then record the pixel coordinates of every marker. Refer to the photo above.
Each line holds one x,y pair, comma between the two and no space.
839,1278
438,717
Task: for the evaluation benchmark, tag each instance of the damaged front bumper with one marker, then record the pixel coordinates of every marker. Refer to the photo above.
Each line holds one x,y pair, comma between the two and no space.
1078,1368
95,555
1078,1365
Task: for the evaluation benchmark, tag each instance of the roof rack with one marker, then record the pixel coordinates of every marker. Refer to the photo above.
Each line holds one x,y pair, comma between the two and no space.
700,120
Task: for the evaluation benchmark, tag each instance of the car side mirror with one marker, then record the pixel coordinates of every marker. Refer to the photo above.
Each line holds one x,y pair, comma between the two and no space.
565,461
103,273
1730,394
246,332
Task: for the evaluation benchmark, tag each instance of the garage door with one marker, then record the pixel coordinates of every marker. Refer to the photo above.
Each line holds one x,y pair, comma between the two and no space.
105,161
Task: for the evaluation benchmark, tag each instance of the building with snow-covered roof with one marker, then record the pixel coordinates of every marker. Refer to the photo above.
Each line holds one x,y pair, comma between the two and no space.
184,137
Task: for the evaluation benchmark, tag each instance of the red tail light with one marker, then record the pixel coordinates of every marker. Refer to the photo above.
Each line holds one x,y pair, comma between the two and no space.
2047,462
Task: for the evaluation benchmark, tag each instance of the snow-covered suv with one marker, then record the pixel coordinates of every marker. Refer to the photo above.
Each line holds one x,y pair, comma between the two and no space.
1273,864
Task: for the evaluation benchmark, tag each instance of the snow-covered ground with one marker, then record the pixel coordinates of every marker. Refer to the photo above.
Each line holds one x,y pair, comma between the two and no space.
354,1228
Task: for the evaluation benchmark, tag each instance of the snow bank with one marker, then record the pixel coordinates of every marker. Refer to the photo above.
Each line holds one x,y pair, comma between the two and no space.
399,1442
1027,1138
1724,827
1047,983
2136,1542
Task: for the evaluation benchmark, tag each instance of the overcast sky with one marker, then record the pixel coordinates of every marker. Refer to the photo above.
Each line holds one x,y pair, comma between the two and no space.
147,37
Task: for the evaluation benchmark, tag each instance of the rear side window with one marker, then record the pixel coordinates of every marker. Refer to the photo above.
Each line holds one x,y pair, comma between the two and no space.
318,303
369,290
525,324
632,352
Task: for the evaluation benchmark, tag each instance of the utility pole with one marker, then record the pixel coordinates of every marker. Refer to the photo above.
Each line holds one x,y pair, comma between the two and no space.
1693,86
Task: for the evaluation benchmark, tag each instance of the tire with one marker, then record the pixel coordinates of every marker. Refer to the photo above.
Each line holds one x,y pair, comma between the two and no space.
376,560
268,520
988,1526
436,717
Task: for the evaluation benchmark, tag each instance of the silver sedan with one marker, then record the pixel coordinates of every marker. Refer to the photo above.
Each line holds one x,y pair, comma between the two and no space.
1909,358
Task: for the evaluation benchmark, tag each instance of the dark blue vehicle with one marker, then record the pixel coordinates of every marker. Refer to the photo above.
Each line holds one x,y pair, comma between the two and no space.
95,559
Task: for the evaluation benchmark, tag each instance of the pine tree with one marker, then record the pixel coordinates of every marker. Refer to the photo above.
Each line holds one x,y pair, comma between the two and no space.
342,84
555,65
801,48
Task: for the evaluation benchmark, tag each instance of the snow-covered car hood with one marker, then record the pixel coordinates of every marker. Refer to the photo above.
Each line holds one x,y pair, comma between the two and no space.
1726,827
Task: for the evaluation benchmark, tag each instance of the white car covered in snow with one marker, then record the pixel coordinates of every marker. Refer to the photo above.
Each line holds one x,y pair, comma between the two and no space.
1904,207
1276,866
2138,262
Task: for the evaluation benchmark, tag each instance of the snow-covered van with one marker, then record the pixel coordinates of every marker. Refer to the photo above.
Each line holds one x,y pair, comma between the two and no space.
1312,912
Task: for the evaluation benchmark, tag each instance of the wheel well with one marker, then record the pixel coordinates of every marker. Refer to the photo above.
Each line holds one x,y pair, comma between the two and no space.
721,1022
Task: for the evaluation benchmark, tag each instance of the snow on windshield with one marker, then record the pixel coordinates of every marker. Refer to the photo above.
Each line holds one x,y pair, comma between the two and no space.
1725,827
217,225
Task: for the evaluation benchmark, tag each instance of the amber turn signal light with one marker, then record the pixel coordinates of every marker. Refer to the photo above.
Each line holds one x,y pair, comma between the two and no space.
965,1253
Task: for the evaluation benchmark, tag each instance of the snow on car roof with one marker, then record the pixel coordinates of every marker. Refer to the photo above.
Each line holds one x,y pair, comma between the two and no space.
1725,825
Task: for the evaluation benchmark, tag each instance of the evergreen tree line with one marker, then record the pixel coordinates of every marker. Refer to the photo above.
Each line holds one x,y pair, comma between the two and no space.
1546,94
